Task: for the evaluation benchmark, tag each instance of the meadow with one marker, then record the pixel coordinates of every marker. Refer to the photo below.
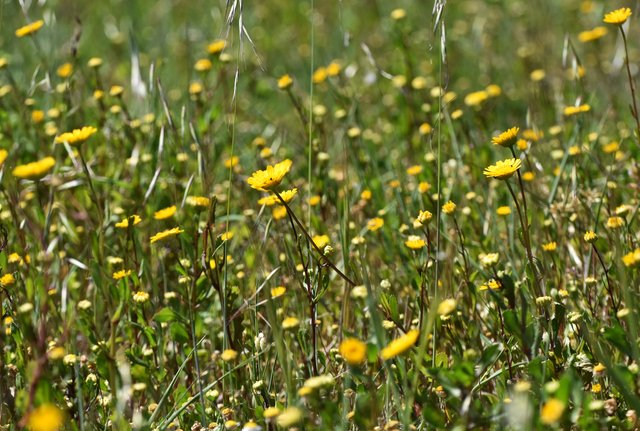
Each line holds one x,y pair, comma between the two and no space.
352,215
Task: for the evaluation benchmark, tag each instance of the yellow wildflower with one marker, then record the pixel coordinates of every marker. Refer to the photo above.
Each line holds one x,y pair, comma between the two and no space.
166,234
216,46
552,411
269,178
165,213
400,345
34,170
29,28
618,16
375,223
47,417
506,138
135,219
353,351
76,136
503,169
121,274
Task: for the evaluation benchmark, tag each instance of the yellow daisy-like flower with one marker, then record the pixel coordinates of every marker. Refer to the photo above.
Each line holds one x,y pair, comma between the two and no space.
591,35
320,75
121,274
618,16
140,297
287,195
166,234
216,46
506,138
229,355
135,219
284,82
446,307
226,236
449,208
270,177
631,258
615,222
290,323
165,213
203,65
490,285
271,412
414,242
590,236
7,279
375,223
29,28
320,241
34,170
353,351
400,345
198,201
503,210
424,217
76,136
3,156
278,291
503,169
65,70
550,246
414,170
569,111
47,417
552,411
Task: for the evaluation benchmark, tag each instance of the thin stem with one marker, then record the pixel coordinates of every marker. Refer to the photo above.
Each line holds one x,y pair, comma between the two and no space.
606,274
631,84
322,256
527,242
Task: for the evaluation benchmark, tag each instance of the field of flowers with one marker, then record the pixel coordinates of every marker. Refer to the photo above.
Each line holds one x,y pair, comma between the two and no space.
351,215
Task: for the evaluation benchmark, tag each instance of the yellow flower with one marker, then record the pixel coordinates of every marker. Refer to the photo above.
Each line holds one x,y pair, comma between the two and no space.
414,170
285,82
333,69
198,201
94,62
216,46
398,14
29,28
400,345
596,388
591,35
3,156
320,241
166,234
353,351
506,138
65,70
490,285
503,169
125,221
121,274
528,176
550,246
375,223
590,236
615,222
573,110
476,98
47,417
271,412
424,217
425,129
76,136
287,196
203,65
290,323
630,259
141,297
618,16
503,211
165,213
424,187
269,178
449,207
231,162
552,411
279,212
446,307
34,170
414,242
229,355
320,75
290,417
7,279
278,291
195,88
226,236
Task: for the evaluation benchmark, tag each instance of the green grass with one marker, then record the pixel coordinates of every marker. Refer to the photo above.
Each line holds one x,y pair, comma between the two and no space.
193,333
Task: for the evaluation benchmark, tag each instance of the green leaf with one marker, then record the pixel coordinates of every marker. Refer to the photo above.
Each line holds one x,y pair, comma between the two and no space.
165,315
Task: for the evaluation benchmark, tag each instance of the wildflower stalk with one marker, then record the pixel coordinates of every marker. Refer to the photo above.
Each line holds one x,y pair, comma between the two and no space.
463,251
527,240
313,244
634,110
97,201
606,274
